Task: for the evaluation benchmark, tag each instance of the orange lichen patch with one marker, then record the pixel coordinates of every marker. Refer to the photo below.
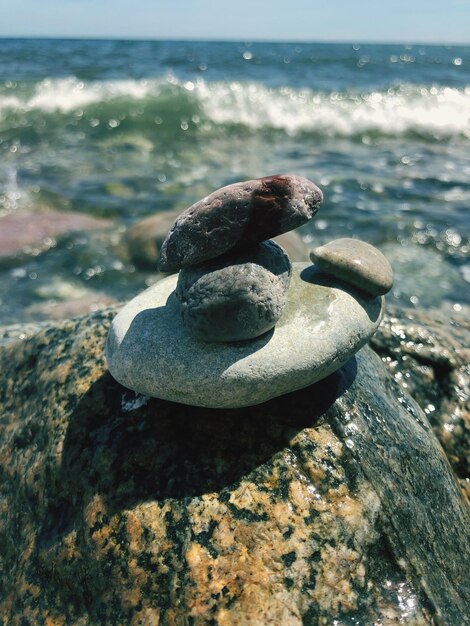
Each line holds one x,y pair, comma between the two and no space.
302,496
147,617
101,537
247,559
94,510
54,621
69,550
58,374
134,531
339,569
130,598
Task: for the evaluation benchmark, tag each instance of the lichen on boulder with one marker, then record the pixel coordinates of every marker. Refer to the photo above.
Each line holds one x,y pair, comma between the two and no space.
335,502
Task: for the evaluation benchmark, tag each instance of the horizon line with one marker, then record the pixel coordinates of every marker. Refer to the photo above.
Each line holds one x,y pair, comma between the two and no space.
246,41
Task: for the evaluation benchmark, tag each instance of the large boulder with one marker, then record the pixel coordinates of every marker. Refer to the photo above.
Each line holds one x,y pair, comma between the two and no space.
335,502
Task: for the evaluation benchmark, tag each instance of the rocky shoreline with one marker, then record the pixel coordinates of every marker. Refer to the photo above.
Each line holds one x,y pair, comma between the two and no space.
334,502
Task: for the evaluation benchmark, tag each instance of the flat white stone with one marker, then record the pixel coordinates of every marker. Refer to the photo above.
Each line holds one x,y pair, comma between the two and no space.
150,351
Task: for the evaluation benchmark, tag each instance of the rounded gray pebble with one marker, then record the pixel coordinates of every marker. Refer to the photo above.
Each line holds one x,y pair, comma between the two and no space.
357,263
235,297
239,216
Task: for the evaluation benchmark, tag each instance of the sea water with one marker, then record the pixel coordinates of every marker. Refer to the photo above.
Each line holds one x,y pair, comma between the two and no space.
126,129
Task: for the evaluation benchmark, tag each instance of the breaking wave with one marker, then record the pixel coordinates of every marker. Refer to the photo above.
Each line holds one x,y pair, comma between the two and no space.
433,111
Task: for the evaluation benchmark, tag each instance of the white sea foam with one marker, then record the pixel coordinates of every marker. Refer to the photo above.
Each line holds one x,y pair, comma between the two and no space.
70,94
435,111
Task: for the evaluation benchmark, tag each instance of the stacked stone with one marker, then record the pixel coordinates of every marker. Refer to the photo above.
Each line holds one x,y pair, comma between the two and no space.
200,338
356,263
233,281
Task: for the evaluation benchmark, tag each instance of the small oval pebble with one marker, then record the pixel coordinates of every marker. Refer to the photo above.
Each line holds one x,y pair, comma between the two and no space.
237,296
239,216
357,263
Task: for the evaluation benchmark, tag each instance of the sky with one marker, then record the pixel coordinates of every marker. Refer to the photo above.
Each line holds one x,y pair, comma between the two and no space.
412,21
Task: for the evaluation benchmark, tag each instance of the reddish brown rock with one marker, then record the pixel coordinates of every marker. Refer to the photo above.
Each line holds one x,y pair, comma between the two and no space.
238,216
23,231
144,240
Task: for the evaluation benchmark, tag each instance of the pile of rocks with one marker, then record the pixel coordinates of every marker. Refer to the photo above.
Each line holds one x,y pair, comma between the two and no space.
233,284
241,324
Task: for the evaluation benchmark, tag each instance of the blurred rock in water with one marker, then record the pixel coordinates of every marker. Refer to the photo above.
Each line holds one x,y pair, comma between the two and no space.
421,276
23,231
294,245
145,238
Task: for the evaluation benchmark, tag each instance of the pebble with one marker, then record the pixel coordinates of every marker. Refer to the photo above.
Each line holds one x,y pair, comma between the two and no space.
357,263
145,238
238,216
235,297
150,351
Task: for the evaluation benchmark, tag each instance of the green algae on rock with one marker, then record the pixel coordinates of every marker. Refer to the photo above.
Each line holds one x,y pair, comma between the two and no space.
331,503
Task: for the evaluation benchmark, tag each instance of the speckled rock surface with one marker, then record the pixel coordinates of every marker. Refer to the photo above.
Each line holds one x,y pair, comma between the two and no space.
150,351
235,297
239,215
357,263
332,503
428,354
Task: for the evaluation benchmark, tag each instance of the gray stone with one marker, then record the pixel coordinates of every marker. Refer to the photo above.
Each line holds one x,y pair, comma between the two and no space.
150,351
355,262
237,296
239,215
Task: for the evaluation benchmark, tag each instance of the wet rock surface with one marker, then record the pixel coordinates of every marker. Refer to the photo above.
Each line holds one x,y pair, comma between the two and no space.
150,351
238,216
428,354
357,263
235,297
332,503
